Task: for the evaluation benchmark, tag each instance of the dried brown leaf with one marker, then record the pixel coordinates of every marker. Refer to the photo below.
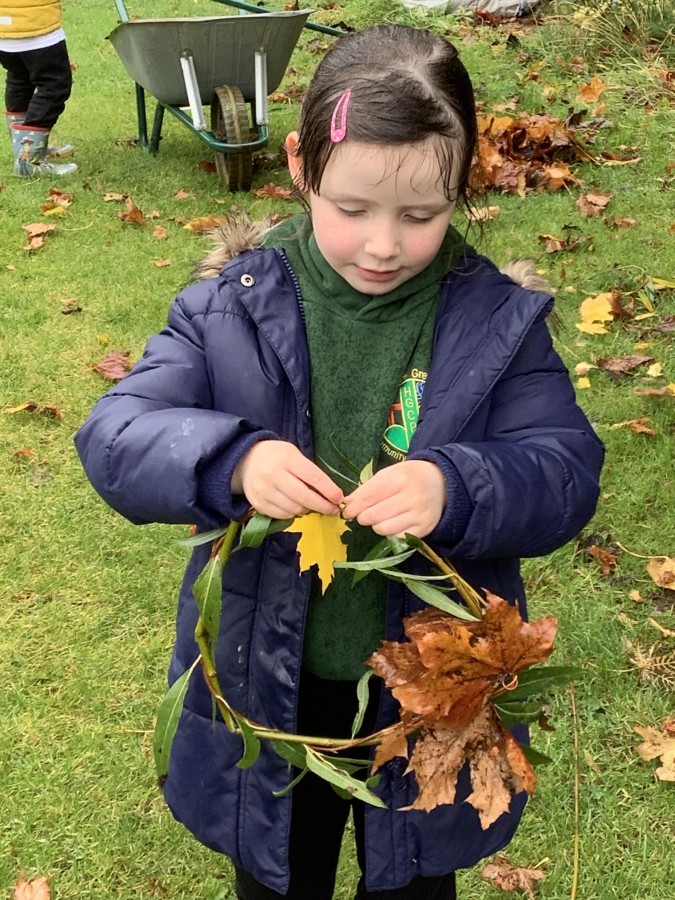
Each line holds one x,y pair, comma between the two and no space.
114,366
661,569
505,875
659,744
37,889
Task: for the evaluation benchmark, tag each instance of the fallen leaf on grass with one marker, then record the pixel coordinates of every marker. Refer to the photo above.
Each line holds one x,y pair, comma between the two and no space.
159,232
595,311
589,93
594,203
182,194
606,559
622,222
36,231
274,190
133,214
659,744
483,213
623,365
205,223
320,543
57,199
53,412
114,196
37,889
661,569
667,391
553,244
162,263
206,165
639,426
505,875
114,366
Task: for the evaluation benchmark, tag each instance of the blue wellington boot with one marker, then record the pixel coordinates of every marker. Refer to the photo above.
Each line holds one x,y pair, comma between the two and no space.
30,154
56,152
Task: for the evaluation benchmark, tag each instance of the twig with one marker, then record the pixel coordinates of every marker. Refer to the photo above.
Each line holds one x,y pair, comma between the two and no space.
577,797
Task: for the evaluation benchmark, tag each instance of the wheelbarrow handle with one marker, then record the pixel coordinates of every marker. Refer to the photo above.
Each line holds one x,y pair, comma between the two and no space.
240,4
122,11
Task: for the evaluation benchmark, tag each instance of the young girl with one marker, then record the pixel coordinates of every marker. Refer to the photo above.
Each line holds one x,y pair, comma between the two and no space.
369,328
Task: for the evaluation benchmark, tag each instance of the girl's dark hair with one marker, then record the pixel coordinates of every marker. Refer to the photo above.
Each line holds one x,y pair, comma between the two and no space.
407,86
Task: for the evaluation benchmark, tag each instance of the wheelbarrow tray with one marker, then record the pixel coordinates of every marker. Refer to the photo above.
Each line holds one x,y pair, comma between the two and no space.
223,49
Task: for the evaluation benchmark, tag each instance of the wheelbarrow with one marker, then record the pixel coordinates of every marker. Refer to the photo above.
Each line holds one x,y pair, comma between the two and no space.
223,62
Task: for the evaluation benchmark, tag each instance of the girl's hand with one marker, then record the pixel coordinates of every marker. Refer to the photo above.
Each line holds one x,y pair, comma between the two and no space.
278,481
406,497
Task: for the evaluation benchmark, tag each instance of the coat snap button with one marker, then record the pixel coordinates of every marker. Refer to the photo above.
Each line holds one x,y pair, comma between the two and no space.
247,280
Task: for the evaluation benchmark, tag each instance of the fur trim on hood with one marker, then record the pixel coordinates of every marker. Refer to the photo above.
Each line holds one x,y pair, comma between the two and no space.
239,233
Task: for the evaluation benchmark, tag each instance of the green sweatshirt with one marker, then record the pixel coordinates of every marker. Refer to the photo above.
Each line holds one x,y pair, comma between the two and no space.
368,356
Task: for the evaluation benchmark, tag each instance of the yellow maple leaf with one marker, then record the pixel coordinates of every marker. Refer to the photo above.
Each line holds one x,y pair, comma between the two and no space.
320,543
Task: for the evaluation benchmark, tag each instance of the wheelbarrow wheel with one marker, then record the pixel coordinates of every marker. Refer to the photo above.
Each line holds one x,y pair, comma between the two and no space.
229,123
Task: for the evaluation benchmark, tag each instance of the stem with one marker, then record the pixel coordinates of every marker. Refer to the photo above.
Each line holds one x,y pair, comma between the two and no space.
202,637
470,596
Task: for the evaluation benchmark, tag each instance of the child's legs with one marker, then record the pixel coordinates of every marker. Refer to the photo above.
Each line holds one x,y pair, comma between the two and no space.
18,87
318,822
319,815
49,71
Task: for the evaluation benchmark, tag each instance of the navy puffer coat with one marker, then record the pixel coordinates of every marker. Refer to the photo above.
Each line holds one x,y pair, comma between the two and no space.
230,368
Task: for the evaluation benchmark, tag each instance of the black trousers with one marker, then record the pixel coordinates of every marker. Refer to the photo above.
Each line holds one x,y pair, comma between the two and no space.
320,815
38,83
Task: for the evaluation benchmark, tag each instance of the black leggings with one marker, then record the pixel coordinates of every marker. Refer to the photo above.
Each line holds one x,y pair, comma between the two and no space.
320,815
38,83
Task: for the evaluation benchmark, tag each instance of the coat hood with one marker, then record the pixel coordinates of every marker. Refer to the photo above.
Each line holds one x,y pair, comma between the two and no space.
239,233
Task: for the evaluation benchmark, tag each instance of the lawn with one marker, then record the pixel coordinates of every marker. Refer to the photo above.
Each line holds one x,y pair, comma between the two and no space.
88,600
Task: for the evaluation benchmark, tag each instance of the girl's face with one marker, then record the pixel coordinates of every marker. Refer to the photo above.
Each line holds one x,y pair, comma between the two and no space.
382,213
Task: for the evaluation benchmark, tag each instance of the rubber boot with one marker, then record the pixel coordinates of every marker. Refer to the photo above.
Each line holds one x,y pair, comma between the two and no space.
30,153
56,152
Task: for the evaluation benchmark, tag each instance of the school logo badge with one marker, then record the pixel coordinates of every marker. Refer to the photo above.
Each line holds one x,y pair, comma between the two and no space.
403,417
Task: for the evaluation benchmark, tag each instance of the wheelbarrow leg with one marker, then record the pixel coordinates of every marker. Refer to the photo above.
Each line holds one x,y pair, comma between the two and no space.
142,118
156,129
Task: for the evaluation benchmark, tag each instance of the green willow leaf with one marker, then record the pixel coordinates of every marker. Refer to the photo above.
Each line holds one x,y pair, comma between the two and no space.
289,787
251,744
355,788
381,550
374,565
258,528
542,679
517,712
168,715
362,695
295,754
397,544
343,459
366,472
434,597
204,537
208,592
534,757
336,472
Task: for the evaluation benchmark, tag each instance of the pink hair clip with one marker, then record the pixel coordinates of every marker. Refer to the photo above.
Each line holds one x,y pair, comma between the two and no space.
339,132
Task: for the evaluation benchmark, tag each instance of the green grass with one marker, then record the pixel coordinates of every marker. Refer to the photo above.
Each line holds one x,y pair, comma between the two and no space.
87,600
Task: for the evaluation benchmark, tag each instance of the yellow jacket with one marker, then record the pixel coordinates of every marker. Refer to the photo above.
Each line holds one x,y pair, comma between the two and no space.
29,18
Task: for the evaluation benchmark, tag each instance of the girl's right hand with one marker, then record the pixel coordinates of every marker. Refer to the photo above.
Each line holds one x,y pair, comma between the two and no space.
279,481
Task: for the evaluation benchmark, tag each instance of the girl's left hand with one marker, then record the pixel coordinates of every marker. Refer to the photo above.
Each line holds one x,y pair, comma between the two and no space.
407,497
